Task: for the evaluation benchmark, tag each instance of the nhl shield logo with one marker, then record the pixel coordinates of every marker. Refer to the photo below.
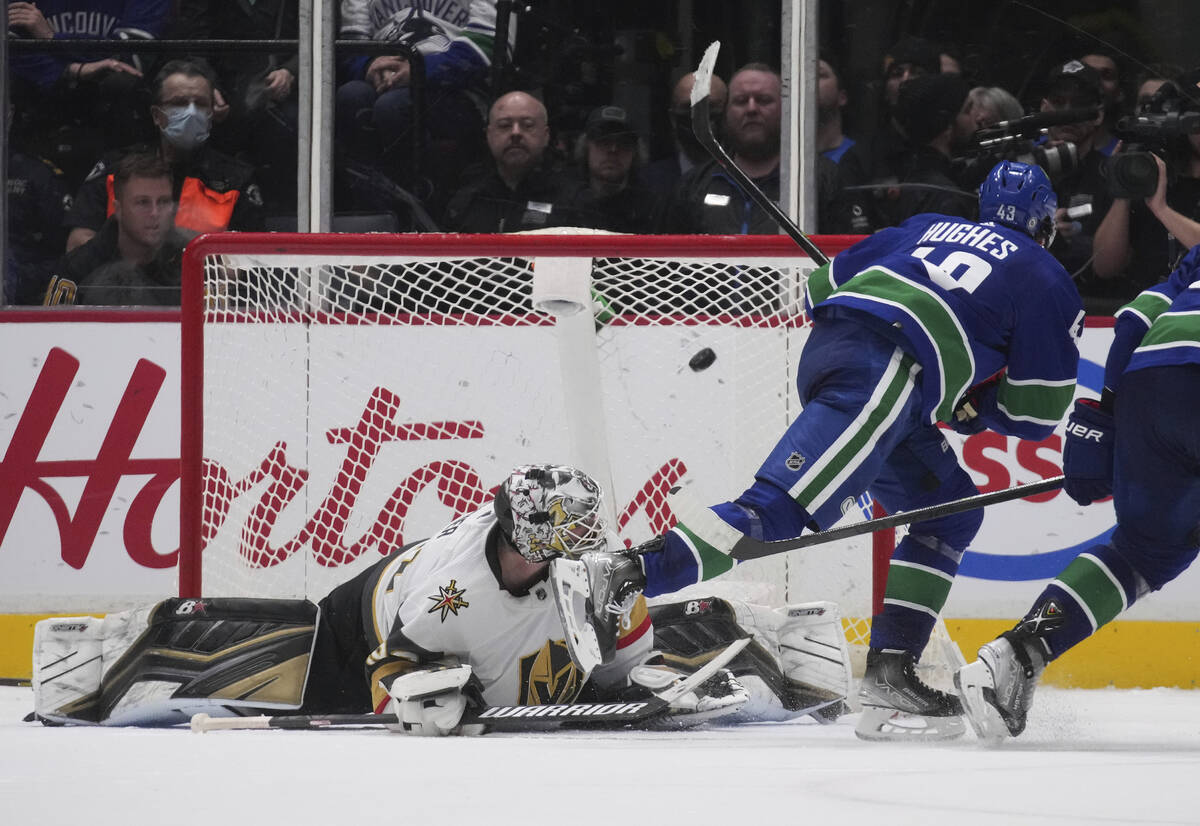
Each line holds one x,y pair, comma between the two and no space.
794,462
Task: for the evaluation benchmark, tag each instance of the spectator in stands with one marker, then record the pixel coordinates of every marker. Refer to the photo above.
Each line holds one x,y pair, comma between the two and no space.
83,103
257,89
610,153
518,190
136,257
214,192
1140,241
986,106
375,104
989,105
933,112
832,142
1153,78
37,199
1074,85
707,201
1112,93
663,174
908,58
879,156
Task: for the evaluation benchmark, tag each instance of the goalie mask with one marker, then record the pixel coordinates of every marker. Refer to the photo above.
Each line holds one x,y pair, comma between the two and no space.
551,510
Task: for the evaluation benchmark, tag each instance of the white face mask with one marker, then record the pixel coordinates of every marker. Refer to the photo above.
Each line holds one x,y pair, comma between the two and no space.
187,127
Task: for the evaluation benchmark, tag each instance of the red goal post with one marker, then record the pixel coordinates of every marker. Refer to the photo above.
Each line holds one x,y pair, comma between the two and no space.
345,394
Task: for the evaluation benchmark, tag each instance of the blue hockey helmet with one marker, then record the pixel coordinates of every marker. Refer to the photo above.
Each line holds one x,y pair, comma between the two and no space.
1018,195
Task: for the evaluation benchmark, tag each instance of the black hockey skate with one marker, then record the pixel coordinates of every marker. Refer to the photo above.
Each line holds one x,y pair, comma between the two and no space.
897,705
997,689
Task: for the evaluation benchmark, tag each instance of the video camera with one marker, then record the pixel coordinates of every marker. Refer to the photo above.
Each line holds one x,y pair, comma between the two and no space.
1013,140
1168,116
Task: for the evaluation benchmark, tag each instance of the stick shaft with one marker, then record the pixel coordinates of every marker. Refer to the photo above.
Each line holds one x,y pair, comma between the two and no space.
497,718
748,548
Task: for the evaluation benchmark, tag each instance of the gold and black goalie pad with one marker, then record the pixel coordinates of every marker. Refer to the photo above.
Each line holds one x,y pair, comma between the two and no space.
690,633
220,655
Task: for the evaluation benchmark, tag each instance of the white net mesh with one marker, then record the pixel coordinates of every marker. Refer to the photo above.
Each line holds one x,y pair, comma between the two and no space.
358,393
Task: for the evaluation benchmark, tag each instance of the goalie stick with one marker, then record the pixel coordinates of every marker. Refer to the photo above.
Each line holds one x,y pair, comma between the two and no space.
702,127
728,539
499,718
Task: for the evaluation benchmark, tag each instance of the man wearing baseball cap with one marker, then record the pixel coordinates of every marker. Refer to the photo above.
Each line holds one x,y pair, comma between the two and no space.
1075,85
610,153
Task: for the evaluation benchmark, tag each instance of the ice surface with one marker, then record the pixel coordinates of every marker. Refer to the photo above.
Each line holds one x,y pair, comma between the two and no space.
1088,757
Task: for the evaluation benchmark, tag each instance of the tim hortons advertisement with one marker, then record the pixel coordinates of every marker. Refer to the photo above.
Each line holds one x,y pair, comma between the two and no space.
320,483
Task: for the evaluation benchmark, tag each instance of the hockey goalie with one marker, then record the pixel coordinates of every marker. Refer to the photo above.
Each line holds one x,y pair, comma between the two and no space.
521,602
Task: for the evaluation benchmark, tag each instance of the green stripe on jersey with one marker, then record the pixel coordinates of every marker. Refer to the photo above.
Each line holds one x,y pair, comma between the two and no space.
481,41
917,585
812,491
1043,402
1094,586
712,562
1173,328
820,284
1148,304
937,320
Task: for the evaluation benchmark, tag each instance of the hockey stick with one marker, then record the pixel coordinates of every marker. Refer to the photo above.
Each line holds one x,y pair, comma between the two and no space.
499,718
739,546
702,127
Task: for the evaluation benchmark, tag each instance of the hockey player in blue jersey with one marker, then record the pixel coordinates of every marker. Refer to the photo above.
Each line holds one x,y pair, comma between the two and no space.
1140,443
937,320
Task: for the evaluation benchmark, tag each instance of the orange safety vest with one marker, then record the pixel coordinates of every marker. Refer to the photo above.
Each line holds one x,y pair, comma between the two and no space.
200,209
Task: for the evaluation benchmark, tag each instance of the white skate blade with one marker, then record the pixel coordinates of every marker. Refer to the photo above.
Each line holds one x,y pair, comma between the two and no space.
975,684
888,724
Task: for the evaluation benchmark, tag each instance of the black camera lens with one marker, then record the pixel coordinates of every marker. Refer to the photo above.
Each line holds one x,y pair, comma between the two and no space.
1132,175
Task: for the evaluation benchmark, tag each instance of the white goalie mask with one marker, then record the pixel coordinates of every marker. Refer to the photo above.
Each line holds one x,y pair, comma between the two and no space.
551,510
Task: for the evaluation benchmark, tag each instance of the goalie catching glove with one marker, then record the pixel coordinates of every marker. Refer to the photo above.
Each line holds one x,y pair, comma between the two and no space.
432,702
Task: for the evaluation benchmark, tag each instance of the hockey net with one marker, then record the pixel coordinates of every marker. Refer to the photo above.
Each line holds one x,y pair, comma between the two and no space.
347,394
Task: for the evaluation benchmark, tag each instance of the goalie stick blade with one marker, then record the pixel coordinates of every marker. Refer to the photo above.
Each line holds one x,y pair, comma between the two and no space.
749,548
702,84
702,127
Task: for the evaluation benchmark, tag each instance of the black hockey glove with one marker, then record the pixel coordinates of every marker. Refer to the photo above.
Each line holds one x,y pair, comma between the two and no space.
1088,453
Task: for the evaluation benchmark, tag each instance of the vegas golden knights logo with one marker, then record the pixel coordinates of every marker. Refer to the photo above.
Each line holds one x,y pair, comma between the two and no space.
548,676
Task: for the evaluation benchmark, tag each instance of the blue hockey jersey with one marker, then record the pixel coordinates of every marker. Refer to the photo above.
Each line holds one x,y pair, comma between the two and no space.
1159,327
92,20
968,300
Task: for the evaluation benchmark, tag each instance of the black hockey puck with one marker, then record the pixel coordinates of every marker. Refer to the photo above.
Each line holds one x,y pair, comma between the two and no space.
702,360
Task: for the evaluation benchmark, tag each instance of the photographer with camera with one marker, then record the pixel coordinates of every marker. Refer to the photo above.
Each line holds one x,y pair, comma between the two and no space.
1082,191
1155,181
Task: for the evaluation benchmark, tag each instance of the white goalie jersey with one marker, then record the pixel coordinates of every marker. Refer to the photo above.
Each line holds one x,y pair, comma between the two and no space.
441,601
